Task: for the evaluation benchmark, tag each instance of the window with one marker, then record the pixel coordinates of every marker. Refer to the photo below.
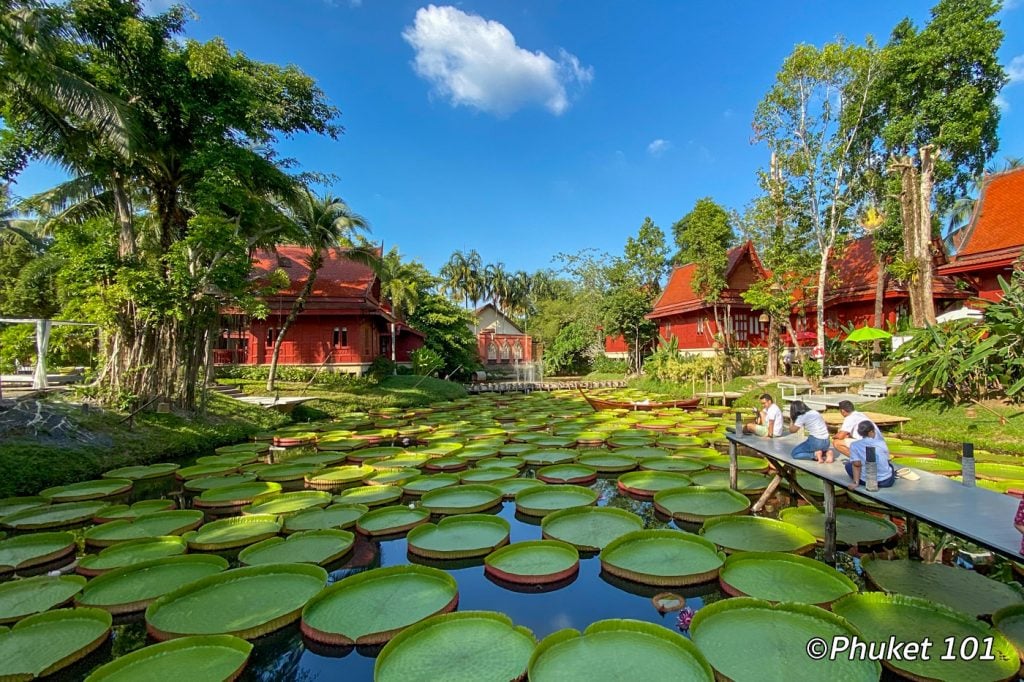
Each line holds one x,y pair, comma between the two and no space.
344,337
517,351
741,325
700,325
755,326
270,336
505,352
336,337
492,351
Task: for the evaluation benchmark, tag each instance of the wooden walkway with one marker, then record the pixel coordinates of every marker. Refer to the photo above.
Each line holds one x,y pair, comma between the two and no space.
982,516
530,386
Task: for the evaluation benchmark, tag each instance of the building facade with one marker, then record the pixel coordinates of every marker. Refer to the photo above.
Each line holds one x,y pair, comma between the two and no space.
499,340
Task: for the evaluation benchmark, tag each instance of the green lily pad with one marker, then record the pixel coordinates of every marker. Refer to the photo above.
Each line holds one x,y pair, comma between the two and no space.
48,642
288,503
446,464
242,448
462,499
319,547
229,460
211,482
757,534
943,467
373,453
1009,620
662,557
406,460
232,532
567,473
814,486
235,495
643,452
647,483
900,450
395,477
13,505
510,487
320,459
219,657
52,515
246,602
143,471
910,619
486,645
682,465
459,537
608,462
776,577
999,472
679,442
337,478
87,490
696,504
852,527
130,553
618,649
369,495
133,588
590,529
549,457
152,525
25,551
533,562
747,482
116,512
957,588
202,470
424,484
339,516
27,596
742,463
372,607
542,500
282,473
391,520
488,474
775,641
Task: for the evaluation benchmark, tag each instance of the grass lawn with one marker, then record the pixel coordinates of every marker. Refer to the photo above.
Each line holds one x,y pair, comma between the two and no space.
33,462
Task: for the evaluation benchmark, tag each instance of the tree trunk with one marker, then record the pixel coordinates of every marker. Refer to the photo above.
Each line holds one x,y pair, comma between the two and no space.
316,260
124,216
880,286
924,228
915,210
820,302
772,368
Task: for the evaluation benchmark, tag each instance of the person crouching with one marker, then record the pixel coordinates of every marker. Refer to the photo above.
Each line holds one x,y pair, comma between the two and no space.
869,438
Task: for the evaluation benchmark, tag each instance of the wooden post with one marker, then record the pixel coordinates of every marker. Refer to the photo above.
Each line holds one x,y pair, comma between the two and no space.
830,522
913,538
733,466
768,492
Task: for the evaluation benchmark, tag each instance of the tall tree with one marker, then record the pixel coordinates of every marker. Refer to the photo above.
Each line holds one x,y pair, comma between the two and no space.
937,120
323,224
400,284
704,236
646,255
812,121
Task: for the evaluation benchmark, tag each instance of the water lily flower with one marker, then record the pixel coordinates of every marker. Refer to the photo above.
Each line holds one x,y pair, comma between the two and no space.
685,616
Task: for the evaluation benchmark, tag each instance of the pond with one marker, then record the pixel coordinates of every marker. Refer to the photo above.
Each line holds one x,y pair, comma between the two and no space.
487,425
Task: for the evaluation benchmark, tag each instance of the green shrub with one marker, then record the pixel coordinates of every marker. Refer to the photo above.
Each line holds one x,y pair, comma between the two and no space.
382,368
425,361
606,365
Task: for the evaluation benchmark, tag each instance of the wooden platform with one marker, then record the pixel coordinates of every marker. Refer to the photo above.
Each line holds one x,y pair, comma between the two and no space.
981,516
882,421
285,405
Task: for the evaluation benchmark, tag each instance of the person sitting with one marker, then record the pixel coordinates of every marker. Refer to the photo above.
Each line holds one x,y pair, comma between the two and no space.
816,446
847,433
769,419
787,359
869,438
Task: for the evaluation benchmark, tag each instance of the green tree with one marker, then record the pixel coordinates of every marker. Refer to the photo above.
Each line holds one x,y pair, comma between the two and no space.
401,284
624,312
646,256
937,120
812,120
704,236
447,330
572,348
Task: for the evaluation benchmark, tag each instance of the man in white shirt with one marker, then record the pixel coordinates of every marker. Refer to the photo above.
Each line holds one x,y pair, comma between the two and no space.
769,419
848,430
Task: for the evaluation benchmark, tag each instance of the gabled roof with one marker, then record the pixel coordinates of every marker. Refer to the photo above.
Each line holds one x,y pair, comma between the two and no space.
478,313
678,296
995,235
338,278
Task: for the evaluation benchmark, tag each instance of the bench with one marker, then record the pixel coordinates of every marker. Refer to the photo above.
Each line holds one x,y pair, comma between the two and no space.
874,390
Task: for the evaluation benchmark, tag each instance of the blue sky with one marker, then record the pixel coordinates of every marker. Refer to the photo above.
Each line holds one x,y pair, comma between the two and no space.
522,129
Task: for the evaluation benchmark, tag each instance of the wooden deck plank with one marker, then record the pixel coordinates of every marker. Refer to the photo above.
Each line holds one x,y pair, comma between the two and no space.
982,516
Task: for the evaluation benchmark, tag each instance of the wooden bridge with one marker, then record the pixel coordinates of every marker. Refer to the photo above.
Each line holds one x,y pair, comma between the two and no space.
530,386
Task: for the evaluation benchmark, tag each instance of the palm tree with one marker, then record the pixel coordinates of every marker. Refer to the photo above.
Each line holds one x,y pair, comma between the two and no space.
323,224
399,284
497,285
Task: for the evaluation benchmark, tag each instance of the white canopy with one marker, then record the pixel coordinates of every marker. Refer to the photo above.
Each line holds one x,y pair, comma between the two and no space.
963,313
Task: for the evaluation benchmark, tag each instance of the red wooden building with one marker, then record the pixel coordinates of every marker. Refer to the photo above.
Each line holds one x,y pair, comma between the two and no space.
345,325
681,313
499,340
994,238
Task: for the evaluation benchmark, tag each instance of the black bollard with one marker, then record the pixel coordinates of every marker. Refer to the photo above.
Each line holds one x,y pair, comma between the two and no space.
967,465
871,471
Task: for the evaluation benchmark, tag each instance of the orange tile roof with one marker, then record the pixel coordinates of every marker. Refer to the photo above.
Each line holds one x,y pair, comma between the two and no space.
678,295
996,232
338,278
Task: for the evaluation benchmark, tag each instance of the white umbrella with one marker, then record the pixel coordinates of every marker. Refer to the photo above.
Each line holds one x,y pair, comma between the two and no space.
964,313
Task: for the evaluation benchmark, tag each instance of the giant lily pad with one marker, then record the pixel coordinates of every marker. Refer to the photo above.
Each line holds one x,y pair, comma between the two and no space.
618,650
21,598
957,588
459,537
25,551
757,534
219,657
319,547
340,516
901,450
534,562
487,646
696,504
130,553
117,512
210,482
1010,621
288,503
642,453
246,602
282,473
747,482
424,484
999,472
910,619
463,499
391,520
372,607
942,467
775,642
13,505
662,557
143,471
488,474
647,483
152,525
133,588
852,527
608,461
370,495
590,528
233,532
236,495
87,490
338,478
510,487
202,470
742,463
775,577
683,465
542,500
52,516
539,458
446,464
48,642
567,473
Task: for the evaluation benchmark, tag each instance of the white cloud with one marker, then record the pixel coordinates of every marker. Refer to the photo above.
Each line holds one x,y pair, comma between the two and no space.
658,147
475,62
1015,70
1010,4
1002,103
728,113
